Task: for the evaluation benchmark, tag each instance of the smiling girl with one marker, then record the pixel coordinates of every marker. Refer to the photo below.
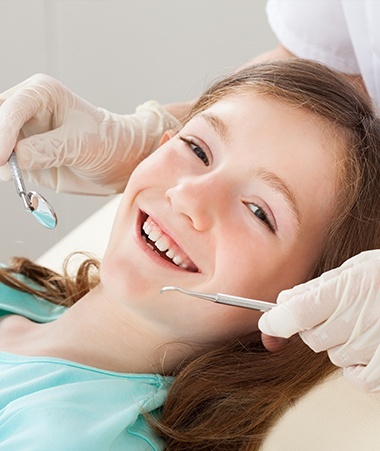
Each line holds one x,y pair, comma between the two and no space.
271,181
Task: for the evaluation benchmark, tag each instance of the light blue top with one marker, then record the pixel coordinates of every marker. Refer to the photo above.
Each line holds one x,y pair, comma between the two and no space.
52,404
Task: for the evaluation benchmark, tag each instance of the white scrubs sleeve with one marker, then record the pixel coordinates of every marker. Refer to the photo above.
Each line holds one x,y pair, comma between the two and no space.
343,34
314,29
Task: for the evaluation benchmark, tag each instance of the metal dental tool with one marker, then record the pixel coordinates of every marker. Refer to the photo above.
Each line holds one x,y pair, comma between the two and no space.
33,202
225,299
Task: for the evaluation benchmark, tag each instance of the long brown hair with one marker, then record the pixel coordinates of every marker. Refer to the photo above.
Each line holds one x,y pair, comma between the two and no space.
229,397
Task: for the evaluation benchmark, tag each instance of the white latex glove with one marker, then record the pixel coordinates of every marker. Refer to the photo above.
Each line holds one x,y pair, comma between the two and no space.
338,312
65,143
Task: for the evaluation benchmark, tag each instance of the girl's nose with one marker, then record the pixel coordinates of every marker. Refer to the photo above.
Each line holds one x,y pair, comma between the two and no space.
199,200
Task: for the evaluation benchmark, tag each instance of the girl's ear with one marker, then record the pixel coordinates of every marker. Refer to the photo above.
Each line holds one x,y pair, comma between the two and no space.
165,137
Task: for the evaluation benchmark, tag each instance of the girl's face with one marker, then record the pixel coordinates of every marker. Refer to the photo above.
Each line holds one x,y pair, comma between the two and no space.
236,203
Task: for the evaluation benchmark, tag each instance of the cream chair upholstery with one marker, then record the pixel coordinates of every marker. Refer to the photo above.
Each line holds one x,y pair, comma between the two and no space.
334,416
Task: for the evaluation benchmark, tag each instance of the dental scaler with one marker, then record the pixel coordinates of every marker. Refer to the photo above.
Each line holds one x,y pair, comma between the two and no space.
33,202
225,299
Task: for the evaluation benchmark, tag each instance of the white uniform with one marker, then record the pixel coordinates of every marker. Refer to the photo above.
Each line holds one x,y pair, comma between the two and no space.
343,34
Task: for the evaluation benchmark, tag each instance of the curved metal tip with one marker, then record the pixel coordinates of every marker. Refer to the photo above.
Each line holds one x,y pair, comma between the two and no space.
196,294
163,289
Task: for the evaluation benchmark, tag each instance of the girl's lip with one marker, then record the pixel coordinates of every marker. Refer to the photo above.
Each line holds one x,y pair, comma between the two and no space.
150,252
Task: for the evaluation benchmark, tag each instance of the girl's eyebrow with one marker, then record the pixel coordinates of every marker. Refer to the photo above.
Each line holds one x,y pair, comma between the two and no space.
217,124
280,186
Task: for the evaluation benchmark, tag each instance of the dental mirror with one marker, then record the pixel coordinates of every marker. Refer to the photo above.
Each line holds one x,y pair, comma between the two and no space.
33,202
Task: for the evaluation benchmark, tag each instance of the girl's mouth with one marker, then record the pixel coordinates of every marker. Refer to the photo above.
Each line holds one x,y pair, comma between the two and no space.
163,245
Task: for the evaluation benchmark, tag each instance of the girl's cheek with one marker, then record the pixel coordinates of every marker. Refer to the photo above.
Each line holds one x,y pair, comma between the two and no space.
149,166
157,159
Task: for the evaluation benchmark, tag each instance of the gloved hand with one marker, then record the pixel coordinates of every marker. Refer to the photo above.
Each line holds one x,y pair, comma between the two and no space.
338,312
65,143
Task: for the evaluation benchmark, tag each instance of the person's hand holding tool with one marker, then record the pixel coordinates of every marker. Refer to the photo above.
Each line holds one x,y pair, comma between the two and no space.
65,143
339,312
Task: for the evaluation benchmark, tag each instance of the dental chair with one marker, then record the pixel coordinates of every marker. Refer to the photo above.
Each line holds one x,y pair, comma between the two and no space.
334,416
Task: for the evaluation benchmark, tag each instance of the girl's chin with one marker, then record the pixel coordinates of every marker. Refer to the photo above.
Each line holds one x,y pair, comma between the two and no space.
129,285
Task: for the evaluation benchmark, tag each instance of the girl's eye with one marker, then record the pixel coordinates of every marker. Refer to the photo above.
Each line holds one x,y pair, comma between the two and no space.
262,215
197,149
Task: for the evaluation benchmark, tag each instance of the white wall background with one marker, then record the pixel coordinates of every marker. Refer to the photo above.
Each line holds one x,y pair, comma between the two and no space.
117,54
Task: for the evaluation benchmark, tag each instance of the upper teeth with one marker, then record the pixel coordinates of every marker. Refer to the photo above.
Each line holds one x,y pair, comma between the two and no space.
163,244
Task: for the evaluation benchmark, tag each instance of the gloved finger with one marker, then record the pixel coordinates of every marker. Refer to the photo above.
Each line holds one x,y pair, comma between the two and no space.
310,285
5,173
359,349
347,355
62,146
42,151
299,313
328,335
354,323
69,182
62,179
47,177
14,112
335,291
365,258
345,326
357,376
365,377
278,322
